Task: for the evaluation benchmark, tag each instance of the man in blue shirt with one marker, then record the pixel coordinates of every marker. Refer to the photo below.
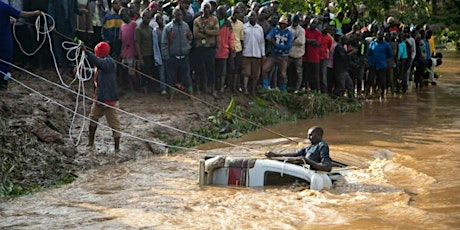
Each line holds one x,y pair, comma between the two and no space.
6,37
379,51
281,38
316,154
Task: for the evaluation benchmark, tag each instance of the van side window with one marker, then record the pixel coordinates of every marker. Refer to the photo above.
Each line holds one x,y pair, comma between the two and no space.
275,178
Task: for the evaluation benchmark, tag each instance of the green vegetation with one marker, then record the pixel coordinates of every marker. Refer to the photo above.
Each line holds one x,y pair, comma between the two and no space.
27,165
11,189
440,15
270,107
18,190
450,39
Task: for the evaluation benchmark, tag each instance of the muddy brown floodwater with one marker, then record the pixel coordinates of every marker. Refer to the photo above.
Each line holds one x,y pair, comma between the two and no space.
406,148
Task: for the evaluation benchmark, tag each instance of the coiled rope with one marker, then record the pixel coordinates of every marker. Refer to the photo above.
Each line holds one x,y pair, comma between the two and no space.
84,73
75,113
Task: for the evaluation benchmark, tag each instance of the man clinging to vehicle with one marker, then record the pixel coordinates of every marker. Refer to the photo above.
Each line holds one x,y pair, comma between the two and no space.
316,154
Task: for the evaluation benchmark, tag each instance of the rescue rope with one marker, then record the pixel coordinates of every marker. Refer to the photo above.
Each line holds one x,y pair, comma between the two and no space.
125,112
82,75
106,126
189,95
84,72
46,30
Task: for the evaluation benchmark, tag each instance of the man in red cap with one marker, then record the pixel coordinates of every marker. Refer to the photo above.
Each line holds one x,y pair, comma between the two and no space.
105,93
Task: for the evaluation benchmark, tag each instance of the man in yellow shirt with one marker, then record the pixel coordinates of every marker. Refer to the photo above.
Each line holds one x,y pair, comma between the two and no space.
234,63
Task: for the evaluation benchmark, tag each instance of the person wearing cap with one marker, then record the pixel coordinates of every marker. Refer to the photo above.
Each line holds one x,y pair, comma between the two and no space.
105,93
281,38
6,37
297,49
253,52
316,154
205,32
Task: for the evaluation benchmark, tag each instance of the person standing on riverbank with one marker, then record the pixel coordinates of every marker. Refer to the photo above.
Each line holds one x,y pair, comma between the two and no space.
316,154
106,93
379,52
176,43
143,36
281,39
253,53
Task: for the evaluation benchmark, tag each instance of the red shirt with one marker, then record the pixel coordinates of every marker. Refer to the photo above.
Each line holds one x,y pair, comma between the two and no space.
312,52
393,29
326,44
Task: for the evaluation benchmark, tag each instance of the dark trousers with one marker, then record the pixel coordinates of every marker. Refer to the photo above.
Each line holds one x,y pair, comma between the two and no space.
419,74
149,69
179,68
205,75
343,82
297,72
381,75
234,66
311,75
330,80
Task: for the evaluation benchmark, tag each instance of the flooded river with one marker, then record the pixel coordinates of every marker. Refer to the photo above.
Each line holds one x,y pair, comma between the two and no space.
406,150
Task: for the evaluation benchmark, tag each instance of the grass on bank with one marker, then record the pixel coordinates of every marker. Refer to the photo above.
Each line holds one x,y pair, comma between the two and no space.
19,163
268,108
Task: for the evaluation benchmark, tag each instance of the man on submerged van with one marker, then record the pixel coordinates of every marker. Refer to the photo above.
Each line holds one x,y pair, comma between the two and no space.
316,154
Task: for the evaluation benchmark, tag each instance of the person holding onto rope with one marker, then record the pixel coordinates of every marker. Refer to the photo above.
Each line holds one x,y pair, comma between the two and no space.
316,154
8,14
106,93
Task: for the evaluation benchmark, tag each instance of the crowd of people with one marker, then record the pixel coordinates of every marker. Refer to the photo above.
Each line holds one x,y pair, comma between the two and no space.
199,46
